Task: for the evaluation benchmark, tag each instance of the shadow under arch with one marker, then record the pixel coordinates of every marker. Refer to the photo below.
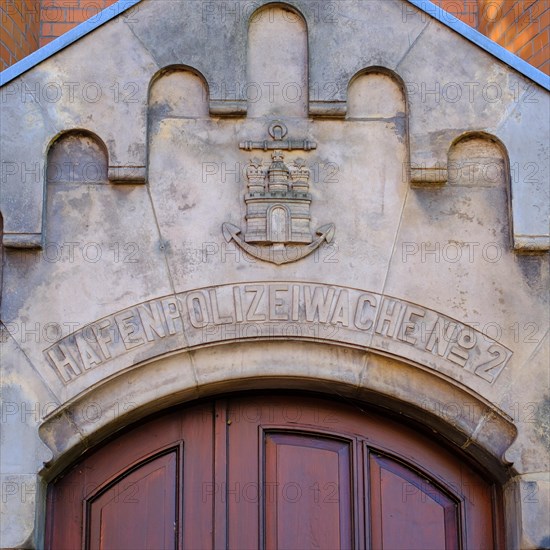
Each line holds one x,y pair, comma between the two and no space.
459,415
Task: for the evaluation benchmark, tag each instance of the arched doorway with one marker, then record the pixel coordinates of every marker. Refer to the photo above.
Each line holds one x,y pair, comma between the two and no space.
278,224
273,472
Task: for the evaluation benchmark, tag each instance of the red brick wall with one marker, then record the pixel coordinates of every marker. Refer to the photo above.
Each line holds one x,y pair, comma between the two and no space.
59,16
465,10
521,26
19,30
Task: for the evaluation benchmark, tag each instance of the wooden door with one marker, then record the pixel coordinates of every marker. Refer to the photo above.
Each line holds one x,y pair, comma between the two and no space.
272,472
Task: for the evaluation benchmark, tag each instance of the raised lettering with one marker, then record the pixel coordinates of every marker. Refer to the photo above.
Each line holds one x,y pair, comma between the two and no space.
128,327
408,326
457,355
216,317
276,302
294,311
103,335
318,305
90,358
239,313
295,302
362,319
252,313
65,364
492,368
389,317
441,336
198,310
341,311
151,320
172,315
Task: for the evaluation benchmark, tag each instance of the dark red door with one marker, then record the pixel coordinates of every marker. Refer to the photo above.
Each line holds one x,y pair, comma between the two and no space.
286,473
149,493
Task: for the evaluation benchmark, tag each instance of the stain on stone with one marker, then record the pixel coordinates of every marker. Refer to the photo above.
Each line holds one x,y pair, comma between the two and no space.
535,271
77,158
400,122
542,421
136,150
158,111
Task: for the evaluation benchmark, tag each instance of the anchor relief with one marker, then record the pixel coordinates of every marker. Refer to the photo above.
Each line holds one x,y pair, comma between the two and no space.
278,204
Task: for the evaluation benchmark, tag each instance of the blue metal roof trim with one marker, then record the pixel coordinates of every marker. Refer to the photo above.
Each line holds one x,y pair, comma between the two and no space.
102,17
444,17
449,20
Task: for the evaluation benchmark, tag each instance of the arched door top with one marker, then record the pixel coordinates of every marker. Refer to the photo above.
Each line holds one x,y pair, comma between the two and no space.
460,415
273,471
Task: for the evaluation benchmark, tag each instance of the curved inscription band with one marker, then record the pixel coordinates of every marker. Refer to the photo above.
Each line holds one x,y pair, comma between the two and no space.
280,311
283,253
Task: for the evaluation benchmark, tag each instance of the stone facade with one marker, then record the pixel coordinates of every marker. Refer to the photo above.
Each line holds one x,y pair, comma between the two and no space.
418,279
521,26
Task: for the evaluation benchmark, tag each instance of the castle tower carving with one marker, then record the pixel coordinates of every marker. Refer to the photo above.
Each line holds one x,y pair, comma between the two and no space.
278,202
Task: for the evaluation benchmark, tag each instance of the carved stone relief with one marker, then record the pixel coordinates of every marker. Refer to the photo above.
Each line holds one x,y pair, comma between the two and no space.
278,204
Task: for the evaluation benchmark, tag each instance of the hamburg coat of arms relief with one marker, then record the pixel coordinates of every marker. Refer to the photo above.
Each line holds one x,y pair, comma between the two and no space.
278,203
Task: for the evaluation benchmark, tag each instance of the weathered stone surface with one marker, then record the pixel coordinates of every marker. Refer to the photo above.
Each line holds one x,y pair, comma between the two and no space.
534,496
529,168
143,296
17,511
453,237
66,92
25,401
384,44
446,97
530,410
82,237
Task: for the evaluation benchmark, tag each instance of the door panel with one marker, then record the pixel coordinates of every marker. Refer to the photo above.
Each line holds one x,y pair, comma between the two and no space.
307,492
139,510
410,511
70,495
272,473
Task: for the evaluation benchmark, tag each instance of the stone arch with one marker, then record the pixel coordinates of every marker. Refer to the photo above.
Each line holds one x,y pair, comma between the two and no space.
277,62
480,160
77,156
376,111
376,92
491,141
76,181
178,104
457,413
178,90
405,389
